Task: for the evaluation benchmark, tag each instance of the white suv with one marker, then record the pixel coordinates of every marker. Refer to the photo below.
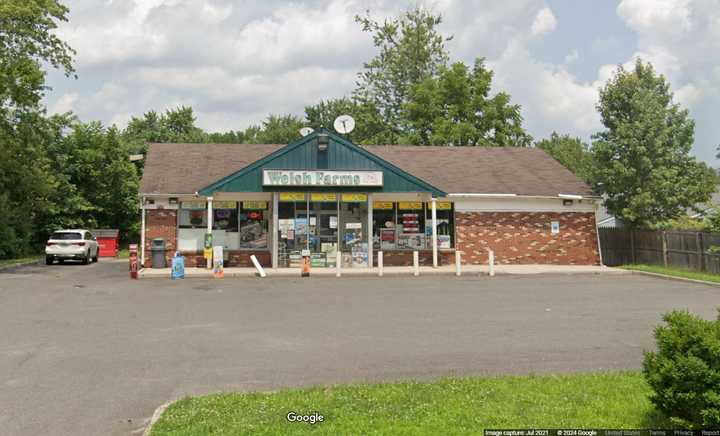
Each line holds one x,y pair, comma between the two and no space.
71,244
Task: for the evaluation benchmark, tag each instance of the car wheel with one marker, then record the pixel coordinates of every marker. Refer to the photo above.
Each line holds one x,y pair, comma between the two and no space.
49,260
95,258
86,259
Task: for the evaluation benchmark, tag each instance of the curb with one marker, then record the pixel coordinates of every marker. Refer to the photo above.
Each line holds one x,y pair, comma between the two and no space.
15,265
676,278
246,275
156,416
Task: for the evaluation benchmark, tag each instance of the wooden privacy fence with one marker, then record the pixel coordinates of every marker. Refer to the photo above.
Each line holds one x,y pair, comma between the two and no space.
683,249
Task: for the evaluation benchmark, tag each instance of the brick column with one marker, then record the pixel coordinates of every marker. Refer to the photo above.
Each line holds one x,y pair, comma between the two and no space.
160,223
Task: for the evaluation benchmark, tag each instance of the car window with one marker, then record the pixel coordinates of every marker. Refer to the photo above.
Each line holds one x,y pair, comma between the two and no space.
88,236
66,235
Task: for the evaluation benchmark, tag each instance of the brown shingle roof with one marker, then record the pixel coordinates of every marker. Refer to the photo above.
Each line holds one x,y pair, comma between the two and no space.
187,168
485,170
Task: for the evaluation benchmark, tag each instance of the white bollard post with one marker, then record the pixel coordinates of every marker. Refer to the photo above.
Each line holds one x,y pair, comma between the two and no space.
380,263
416,263
457,263
491,262
258,267
338,261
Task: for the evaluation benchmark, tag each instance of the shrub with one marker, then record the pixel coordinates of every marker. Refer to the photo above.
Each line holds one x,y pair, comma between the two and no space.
713,221
685,371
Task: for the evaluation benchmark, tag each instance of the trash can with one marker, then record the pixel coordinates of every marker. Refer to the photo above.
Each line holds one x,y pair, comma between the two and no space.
158,253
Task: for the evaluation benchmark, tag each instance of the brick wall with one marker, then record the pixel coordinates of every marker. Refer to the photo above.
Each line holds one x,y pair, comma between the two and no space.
405,258
236,258
525,237
160,223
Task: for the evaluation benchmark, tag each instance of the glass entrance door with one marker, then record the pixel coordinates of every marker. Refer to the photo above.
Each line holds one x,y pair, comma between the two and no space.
323,230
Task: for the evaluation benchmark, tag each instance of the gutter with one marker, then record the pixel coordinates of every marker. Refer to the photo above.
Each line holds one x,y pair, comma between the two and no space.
509,195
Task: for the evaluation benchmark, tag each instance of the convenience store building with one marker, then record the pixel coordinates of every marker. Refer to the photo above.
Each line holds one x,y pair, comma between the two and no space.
325,194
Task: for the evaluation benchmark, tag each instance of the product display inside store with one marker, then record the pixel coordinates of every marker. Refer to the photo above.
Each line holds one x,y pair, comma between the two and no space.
407,225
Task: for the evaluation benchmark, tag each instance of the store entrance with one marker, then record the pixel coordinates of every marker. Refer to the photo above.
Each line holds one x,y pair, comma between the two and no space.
323,231
323,224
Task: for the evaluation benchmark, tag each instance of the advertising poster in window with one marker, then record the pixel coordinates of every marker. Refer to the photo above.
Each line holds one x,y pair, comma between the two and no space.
360,255
286,226
301,226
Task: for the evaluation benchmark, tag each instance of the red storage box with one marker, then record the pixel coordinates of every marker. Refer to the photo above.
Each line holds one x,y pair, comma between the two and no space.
108,241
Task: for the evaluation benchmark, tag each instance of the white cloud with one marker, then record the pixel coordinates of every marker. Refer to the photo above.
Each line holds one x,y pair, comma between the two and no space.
235,63
544,22
551,97
653,15
688,95
572,56
682,38
66,103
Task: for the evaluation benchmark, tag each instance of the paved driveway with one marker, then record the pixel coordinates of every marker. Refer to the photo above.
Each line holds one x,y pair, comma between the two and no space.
84,350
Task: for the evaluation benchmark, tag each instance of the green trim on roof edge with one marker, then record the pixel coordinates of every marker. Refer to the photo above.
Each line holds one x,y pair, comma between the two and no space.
341,155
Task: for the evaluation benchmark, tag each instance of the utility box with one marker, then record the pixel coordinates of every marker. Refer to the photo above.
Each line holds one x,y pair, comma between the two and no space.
108,242
157,248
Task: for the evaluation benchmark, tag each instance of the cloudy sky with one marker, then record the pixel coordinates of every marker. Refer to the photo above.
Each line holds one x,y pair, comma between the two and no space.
236,61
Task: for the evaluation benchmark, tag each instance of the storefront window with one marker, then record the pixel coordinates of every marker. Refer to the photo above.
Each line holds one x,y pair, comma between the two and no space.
225,216
384,236
353,230
292,228
192,215
445,216
253,221
410,225
323,228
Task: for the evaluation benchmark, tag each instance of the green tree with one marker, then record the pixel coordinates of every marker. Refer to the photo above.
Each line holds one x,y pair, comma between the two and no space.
369,126
27,43
276,129
411,50
571,152
642,160
229,137
97,184
455,108
27,183
175,125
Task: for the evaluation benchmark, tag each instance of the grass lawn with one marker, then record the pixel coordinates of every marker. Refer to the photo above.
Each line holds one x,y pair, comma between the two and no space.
6,263
675,272
448,406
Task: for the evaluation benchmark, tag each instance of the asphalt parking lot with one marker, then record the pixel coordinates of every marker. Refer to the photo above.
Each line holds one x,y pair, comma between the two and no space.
86,351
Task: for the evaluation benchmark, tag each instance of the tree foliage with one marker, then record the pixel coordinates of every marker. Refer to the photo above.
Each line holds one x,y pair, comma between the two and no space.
571,152
175,125
642,161
276,129
26,42
411,49
455,108
369,126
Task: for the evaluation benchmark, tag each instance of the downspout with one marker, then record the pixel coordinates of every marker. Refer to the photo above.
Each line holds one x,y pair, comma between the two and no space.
142,231
597,233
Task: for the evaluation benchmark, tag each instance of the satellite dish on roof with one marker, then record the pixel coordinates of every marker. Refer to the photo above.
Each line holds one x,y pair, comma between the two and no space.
306,131
344,124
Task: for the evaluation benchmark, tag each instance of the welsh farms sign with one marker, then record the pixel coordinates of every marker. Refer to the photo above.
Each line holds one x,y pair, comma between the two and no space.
322,178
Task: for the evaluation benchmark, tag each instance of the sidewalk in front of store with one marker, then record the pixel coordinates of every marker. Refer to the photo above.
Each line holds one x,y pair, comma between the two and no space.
392,271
